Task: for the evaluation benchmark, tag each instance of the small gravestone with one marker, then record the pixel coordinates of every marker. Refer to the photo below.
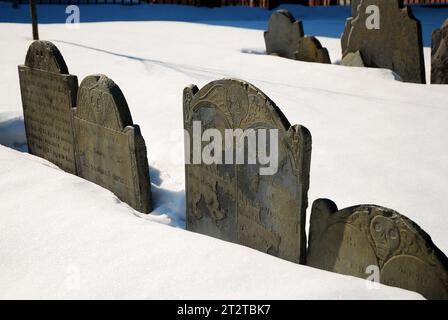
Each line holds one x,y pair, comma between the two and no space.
309,49
387,36
110,150
353,59
48,96
236,201
439,55
373,242
283,35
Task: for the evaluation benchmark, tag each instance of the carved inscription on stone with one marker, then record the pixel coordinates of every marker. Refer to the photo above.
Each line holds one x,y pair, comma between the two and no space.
390,37
233,201
351,240
48,96
110,150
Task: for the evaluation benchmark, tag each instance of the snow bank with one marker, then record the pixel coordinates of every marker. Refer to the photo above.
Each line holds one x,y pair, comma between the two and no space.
64,237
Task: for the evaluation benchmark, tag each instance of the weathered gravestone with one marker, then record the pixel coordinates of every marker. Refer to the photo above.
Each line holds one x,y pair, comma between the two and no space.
439,55
48,96
285,38
359,240
390,37
309,49
235,201
110,150
283,35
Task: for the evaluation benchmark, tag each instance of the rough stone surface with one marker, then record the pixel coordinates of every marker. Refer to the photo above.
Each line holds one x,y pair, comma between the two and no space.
234,202
48,96
353,59
110,150
439,55
397,45
283,35
309,49
350,240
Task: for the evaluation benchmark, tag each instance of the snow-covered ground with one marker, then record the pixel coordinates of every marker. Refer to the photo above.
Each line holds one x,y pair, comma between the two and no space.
375,140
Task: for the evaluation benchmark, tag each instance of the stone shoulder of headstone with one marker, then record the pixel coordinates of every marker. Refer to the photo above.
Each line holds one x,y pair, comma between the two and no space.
283,34
357,240
439,55
48,97
396,45
353,59
234,202
310,50
110,149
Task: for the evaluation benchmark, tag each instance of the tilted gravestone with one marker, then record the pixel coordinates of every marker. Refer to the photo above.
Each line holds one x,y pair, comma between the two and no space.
439,55
285,38
235,201
309,49
365,239
48,96
390,37
283,35
110,150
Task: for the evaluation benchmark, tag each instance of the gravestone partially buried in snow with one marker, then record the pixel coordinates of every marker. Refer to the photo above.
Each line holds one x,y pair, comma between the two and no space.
48,96
309,49
439,55
373,242
387,36
283,35
238,201
285,38
110,150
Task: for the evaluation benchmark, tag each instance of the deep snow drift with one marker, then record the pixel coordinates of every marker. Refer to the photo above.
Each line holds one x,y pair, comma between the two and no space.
375,140
63,237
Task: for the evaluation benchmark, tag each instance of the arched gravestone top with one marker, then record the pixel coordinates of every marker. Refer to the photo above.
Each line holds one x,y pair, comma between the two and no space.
101,101
44,55
397,45
110,150
283,34
350,240
439,55
234,202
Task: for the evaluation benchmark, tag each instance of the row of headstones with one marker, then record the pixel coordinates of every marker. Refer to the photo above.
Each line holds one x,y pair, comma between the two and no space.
89,132
268,212
380,34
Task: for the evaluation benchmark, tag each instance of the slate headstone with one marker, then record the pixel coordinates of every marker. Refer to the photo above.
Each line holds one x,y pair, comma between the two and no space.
439,55
283,35
309,49
110,150
395,45
358,240
232,201
48,96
